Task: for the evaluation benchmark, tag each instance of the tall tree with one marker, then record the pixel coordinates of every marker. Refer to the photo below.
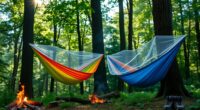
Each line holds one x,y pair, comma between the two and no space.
196,15
122,38
188,43
172,84
130,30
17,53
130,25
55,39
186,55
80,42
100,82
27,54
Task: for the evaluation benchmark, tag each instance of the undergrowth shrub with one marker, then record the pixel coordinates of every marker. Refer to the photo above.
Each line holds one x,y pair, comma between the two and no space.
134,99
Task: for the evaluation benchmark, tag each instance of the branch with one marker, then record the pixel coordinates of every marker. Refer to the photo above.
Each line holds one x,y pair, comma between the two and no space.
73,99
88,15
4,77
19,26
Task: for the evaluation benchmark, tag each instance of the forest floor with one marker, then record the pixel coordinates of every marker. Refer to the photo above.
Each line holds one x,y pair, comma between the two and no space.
156,104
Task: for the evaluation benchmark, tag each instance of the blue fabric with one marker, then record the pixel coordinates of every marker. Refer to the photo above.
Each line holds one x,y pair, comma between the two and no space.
153,72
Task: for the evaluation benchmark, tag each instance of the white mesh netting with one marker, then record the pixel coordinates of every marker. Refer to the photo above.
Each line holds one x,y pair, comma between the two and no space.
73,59
133,60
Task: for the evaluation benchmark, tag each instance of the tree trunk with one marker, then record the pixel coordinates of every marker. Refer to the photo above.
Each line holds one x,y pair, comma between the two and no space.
46,82
54,54
186,56
188,42
80,45
100,81
52,85
172,84
130,25
122,38
41,85
196,15
130,31
27,55
17,51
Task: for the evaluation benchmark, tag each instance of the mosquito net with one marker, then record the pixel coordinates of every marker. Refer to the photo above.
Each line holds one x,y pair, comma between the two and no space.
128,61
77,60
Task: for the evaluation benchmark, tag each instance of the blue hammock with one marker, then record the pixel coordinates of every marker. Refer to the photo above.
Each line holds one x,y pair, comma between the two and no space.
148,64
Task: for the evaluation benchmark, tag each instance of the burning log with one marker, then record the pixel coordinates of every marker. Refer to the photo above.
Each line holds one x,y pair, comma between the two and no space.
34,103
94,99
22,102
32,107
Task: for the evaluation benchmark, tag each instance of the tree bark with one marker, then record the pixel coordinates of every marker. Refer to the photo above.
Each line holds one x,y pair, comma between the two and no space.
122,38
172,84
80,45
196,15
17,52
130,31
130,25
27,55
188,42
100,81
46,82
54,54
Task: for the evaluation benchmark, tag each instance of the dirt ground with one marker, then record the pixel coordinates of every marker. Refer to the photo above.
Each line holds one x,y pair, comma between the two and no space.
156,104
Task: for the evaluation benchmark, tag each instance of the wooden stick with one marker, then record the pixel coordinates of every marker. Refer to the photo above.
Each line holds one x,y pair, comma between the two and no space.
11,105
34,103
32,107
113,94
73,99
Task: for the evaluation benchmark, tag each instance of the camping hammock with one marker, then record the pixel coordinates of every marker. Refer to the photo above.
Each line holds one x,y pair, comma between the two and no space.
148,64
68,67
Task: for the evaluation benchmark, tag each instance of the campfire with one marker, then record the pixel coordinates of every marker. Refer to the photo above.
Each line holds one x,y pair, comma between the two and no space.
94,99
22,102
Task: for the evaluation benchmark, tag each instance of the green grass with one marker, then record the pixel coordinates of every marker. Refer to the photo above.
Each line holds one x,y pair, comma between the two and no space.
194,89
6,97
195,106
67,105
46,98
134,99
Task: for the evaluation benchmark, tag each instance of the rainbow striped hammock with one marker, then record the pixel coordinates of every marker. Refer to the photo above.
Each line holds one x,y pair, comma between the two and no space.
68,67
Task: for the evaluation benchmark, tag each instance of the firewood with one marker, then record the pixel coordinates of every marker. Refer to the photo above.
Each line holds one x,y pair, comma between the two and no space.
13,108
32,107
113,94
34,103
11,105
73,99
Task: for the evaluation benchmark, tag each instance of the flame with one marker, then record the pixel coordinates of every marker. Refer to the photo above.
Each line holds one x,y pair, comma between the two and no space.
21,97
94,99
25,99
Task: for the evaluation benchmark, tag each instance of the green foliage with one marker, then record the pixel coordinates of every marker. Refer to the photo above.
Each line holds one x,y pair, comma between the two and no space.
194,89
134,99
68,104
195,106
6,97
46,98
52,96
